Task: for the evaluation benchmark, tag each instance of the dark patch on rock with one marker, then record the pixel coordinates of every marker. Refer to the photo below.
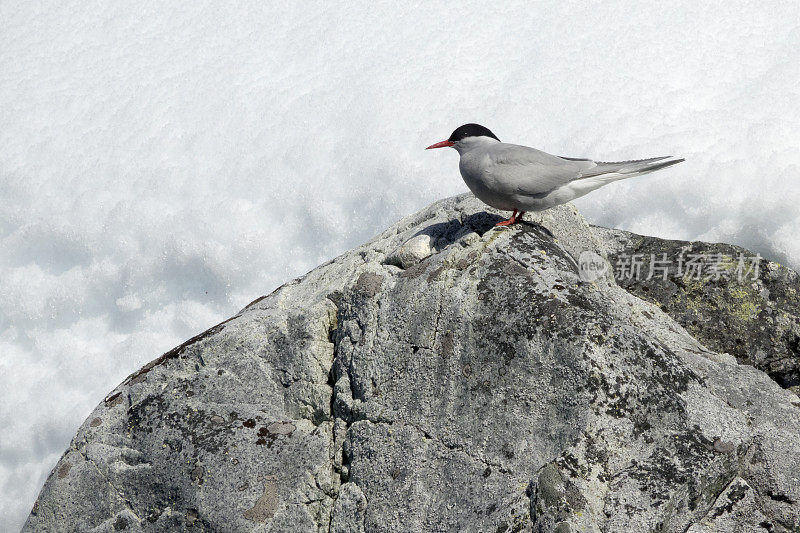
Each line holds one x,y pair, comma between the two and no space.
193,425
780,498
63,470
415,271
466,262
723,447
736,494
264,508
281,428
434,275
191,516
197,474
369,284
114,399
448,344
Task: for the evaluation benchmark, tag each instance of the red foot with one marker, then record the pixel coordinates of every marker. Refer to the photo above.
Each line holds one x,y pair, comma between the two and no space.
513,220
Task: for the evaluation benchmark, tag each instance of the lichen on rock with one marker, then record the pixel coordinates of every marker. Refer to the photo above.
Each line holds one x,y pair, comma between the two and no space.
478,384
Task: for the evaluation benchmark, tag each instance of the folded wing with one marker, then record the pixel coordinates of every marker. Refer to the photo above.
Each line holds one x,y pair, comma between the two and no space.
530,172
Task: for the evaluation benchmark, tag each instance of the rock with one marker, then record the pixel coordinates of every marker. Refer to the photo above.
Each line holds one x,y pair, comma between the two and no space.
411,252
739,303
486,387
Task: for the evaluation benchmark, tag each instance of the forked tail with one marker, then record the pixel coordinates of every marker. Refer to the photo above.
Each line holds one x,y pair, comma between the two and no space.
628,169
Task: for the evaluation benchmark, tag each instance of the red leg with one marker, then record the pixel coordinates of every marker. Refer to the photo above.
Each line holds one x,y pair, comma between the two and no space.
515,217
509,221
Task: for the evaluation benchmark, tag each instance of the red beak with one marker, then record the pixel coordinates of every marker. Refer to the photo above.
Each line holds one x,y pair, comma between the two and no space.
440,145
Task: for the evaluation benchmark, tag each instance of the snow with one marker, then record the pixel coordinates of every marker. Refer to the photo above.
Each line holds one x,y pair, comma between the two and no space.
162,165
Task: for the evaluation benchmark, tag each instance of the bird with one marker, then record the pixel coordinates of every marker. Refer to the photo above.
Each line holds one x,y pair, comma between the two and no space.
511,177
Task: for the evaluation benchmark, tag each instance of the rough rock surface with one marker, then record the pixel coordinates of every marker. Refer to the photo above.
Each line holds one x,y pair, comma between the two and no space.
483,388
719,295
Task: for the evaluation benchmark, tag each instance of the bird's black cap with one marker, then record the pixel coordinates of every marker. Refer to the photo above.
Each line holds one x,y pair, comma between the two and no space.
471,130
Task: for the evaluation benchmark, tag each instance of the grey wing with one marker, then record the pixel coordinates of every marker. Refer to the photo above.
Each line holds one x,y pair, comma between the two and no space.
531,172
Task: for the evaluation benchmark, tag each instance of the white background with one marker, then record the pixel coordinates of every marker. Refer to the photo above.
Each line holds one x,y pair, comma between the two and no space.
162,164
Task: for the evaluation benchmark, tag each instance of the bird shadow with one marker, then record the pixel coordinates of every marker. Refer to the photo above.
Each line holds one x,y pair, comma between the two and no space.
446,233
480,223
